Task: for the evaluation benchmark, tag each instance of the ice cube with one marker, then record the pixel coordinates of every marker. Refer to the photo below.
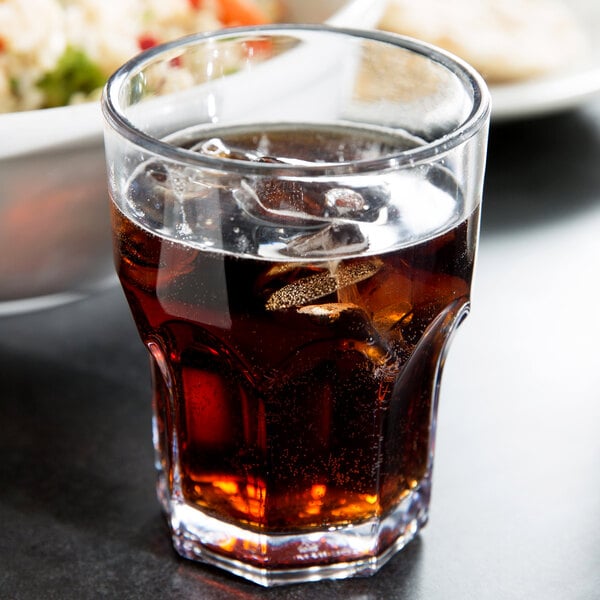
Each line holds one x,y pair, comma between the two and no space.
364,200
280,202
341,201
389,317
283,196
344,315
170,200
217,148
157,196
307,289
351,322
148,193
294,202
332,239
388,296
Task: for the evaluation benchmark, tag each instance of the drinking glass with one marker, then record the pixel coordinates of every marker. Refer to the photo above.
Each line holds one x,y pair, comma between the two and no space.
295,213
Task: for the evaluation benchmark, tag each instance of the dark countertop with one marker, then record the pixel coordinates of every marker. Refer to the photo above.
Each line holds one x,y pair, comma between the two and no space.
516,497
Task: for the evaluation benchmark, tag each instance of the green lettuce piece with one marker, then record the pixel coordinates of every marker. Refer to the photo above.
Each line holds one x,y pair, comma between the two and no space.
74,72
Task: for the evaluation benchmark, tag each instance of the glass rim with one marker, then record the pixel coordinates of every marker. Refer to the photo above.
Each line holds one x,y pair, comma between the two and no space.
431,150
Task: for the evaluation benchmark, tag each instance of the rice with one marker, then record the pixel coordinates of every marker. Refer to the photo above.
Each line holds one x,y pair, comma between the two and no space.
55,52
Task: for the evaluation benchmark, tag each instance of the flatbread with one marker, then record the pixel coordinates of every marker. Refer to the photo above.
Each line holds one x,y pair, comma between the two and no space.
505,40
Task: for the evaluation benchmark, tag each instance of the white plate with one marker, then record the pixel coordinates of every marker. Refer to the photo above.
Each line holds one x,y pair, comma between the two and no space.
565,90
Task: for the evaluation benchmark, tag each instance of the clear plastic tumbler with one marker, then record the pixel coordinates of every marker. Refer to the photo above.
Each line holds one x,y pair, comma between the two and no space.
295,213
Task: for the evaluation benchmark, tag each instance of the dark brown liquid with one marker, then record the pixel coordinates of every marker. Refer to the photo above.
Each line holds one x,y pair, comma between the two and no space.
292,395
294,417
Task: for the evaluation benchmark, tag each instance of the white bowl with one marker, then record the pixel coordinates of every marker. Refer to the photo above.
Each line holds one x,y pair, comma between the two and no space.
55,243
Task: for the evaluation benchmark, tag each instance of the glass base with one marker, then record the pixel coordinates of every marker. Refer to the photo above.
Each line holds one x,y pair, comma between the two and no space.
356,550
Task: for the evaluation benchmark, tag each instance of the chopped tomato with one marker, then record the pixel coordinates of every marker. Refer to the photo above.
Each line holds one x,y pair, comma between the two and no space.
240,12
235,12
147,41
